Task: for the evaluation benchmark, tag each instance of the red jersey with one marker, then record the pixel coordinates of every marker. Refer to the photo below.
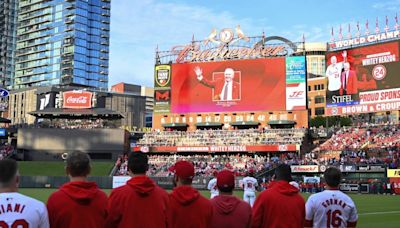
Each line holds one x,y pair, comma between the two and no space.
230,212
279,206
139,203
189,208
77,204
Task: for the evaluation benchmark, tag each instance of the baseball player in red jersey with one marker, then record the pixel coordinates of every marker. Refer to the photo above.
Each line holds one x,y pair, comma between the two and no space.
280,205
139,203
78,202
229,211
188,207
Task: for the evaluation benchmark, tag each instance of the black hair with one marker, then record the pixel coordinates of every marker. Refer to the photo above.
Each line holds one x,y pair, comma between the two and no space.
333,176
138,163
78,164
283,172
8,170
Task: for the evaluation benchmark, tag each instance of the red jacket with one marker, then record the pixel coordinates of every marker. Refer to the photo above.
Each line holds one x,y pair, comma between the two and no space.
189,208
279,206
139,203
77,204
351,86
230,212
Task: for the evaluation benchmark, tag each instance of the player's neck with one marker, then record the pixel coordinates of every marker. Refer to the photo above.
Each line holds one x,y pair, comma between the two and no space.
137,174
226,193
8,189
332,188
82,179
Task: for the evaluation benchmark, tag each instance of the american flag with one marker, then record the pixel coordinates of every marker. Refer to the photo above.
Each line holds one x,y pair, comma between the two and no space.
377,26
340,33
366,28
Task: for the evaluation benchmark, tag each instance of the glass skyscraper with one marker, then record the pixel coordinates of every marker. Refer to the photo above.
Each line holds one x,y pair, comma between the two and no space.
8,23
62,42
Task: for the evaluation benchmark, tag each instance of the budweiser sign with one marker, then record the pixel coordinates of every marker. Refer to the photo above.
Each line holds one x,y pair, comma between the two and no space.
304,168
192,53
77,99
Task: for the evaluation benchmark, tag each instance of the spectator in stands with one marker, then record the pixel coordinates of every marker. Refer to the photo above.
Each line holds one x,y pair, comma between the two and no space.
228,210
188,207
139,203
78,203
281,199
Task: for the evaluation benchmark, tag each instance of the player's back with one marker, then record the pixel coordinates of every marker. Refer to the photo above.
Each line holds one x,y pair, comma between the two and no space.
249,184
17,210
212,186
331,208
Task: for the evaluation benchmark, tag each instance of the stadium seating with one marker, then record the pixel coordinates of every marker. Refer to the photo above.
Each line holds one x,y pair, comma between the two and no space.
223,137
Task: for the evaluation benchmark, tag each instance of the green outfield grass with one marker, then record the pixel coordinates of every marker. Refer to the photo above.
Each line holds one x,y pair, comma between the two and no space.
42,168
374,210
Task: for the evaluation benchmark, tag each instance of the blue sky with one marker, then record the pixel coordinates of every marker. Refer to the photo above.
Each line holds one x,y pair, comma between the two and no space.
138,26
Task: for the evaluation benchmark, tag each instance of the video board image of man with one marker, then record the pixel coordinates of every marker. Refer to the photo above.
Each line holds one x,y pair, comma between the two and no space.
225,88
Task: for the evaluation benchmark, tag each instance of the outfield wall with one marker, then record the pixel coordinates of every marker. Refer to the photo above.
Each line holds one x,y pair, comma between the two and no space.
51,143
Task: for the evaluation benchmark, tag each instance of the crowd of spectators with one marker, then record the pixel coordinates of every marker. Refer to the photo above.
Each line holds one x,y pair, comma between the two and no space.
223,137
5,150
206,165
360,145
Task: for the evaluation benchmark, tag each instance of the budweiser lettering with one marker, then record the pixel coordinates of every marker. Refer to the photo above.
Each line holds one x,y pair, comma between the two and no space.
77,100
192,53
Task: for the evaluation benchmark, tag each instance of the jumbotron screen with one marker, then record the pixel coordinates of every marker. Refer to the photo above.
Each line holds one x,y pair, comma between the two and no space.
239,85
364,79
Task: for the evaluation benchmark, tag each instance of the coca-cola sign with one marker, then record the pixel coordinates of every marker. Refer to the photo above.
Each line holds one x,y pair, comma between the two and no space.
77,99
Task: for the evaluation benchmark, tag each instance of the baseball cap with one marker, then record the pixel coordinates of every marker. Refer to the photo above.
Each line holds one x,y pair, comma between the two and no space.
183,169
225,179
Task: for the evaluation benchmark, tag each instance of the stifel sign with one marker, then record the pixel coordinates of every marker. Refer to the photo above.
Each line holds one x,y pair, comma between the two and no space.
77,99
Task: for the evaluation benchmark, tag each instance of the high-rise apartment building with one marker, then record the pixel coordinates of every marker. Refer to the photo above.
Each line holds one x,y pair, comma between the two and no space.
8,22
62,42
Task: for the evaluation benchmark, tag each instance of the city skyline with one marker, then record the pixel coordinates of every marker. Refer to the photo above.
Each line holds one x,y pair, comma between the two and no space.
138,27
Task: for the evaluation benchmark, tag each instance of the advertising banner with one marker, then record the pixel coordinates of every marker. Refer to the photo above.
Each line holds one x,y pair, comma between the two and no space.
296,83
363,79
312,180
162,89
304,168
162,76
77,99
213,149
237,85
347,168
393,173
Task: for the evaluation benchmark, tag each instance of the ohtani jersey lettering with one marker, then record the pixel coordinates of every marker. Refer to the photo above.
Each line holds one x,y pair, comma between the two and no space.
212,186
249,184
333,72
17,210
331,208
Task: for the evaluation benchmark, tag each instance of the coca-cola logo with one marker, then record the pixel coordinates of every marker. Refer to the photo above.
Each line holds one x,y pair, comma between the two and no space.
74,99
77,100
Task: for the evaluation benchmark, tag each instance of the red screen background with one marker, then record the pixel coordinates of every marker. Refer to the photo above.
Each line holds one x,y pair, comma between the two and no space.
263,86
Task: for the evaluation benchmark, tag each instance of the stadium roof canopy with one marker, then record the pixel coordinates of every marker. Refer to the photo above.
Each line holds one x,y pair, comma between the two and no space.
248,123
172,125
208,124
278,122
4,120
93,113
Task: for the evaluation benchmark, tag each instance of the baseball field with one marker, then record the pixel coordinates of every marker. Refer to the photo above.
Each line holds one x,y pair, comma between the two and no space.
374,210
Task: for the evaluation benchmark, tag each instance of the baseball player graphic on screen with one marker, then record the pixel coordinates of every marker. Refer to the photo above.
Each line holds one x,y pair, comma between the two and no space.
224,88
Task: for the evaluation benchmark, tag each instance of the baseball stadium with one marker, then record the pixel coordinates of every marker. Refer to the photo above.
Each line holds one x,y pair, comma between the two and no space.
247,104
